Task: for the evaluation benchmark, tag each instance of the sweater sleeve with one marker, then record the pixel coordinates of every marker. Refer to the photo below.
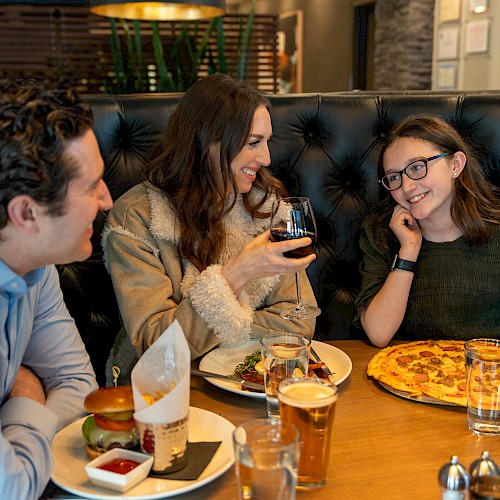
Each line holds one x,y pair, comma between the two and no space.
147,277
147,286
375,268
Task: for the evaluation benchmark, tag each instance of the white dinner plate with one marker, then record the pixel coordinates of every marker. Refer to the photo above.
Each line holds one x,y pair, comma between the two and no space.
223,361
70,457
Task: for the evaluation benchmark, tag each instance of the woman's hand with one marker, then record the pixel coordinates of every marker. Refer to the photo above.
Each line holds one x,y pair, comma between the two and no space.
261,258
407,231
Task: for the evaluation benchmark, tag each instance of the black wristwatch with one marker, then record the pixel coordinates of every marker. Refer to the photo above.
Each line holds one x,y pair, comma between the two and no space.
405,265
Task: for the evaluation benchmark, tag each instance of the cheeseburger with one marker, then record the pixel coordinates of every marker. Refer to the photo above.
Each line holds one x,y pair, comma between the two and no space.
112,424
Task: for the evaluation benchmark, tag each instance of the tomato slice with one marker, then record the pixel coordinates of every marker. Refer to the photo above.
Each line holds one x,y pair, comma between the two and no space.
113,425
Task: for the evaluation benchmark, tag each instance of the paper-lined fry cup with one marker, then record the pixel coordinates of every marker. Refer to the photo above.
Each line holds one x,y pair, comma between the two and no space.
160,384
167,443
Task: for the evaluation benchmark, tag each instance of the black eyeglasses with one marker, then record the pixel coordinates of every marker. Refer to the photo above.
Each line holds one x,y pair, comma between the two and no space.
415,170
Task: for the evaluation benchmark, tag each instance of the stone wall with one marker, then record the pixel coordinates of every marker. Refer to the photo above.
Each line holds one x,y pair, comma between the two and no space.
403,44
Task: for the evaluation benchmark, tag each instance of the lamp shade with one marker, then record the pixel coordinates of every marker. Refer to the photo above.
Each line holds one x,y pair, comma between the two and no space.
172,10
47,3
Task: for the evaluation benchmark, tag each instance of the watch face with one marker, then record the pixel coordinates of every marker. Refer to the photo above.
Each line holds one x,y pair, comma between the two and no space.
394,262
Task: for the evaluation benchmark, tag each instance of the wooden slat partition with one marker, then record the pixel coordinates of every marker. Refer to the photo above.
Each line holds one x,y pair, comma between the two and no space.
69,45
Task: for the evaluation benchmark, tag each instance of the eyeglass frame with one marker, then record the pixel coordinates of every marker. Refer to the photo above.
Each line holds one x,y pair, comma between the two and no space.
401,172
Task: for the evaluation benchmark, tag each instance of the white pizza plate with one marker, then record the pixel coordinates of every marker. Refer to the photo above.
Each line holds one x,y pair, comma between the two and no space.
70,458
223,361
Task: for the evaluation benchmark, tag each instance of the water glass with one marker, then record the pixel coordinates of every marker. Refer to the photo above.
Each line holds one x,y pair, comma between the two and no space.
482,362
309,404
284,355
266,455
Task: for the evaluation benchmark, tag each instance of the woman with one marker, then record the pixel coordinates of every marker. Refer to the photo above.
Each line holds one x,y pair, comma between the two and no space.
192,242
432,257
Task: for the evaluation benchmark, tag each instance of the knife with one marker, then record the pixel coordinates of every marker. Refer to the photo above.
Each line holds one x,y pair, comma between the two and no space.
324,367
242,383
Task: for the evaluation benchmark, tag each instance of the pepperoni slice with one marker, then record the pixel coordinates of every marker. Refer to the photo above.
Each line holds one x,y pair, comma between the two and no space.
421,377
427,354
404,360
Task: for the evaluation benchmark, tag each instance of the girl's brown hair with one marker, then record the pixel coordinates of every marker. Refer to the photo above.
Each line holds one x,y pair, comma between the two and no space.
215,110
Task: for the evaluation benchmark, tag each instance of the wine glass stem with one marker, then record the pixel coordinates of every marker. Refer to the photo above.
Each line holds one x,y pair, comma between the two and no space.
299,292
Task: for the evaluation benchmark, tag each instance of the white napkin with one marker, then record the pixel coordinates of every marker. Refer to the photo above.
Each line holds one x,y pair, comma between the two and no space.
165,364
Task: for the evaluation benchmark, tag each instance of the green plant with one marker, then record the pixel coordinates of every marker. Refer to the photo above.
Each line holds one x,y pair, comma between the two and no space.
178,61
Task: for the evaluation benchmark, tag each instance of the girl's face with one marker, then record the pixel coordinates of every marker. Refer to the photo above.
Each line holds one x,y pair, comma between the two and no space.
429,198
255,152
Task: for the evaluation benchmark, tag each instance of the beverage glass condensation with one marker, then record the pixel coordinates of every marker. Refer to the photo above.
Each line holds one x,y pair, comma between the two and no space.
309,404
284,355
482,365
266,456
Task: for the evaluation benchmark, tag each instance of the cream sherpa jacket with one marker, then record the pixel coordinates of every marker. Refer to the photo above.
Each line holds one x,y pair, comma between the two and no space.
154,285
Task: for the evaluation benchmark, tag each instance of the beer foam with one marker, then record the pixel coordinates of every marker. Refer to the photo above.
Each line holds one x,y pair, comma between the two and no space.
307,395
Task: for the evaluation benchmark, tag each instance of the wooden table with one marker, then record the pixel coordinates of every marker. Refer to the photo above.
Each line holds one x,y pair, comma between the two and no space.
383,447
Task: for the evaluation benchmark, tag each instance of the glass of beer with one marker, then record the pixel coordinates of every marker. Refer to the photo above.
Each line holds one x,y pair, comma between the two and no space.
309,404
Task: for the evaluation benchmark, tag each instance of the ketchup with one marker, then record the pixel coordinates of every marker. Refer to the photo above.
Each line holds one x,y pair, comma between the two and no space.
119,465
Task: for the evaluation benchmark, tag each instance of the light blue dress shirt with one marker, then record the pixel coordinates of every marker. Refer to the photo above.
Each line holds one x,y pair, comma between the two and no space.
37,331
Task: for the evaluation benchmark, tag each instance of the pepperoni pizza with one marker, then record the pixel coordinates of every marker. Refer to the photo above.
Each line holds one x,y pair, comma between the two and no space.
432,369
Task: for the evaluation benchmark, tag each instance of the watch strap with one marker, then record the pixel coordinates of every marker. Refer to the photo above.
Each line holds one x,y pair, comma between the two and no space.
405,265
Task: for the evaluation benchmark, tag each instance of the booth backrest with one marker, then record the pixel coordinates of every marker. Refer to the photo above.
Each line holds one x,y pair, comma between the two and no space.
324,146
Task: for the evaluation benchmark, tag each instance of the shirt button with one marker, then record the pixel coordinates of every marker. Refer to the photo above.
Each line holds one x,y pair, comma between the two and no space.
14,285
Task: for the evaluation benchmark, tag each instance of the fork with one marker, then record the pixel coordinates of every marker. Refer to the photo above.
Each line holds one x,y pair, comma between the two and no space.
324,367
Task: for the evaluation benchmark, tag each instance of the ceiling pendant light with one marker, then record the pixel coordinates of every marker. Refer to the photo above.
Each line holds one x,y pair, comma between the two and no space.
173,10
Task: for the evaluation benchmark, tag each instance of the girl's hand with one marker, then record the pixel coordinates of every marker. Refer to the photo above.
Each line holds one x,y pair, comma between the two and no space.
407,231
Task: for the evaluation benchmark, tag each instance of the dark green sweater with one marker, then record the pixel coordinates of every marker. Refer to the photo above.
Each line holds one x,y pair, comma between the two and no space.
455,292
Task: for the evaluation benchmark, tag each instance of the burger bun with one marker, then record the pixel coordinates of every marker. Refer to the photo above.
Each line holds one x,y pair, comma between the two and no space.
92,453
110,400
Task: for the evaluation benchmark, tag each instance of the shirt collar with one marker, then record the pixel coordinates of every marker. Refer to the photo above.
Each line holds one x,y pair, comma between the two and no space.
12,283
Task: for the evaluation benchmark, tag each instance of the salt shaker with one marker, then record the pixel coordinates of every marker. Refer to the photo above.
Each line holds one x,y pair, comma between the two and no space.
454,480
483,466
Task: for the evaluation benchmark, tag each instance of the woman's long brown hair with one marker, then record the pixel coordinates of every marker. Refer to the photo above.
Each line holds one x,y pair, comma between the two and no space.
215,110
475,204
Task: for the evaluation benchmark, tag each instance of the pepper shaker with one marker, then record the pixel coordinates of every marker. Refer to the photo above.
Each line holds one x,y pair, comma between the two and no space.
485,478
483,466
454,480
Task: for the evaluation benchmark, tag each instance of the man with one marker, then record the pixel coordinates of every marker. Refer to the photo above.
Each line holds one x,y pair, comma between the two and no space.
51,188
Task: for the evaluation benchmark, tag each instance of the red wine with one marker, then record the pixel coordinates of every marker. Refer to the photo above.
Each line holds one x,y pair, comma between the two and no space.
281,234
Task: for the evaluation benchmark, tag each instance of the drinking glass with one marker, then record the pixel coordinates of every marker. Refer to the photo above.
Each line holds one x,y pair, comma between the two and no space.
482,365
293,218
266,456
309,404
284,355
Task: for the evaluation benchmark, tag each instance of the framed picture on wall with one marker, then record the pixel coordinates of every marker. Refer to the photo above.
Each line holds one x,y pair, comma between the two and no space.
449,10
446,76
290,51
447,42
476,36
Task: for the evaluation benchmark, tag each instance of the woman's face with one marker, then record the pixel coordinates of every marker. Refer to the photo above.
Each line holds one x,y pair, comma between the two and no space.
428,198
255,152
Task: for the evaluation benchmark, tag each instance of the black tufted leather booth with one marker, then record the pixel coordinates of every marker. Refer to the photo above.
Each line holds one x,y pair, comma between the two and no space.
324,146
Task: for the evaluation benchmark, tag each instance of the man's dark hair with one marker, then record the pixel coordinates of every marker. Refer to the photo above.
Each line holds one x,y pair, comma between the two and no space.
36,126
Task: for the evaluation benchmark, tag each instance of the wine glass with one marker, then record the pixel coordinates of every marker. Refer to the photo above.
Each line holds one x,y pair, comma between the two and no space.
293,218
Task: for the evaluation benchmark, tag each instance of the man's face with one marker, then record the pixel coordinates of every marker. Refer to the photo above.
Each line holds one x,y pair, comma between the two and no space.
66,238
